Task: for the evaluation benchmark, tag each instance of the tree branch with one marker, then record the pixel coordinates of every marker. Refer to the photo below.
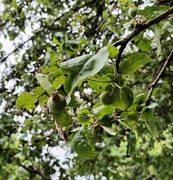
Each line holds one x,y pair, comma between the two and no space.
104,20
17,48
153,84
33,170
32,37
139,28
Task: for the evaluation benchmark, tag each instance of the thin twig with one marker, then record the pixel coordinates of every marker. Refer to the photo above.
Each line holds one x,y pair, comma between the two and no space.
31,38
153,84
104,20
17,48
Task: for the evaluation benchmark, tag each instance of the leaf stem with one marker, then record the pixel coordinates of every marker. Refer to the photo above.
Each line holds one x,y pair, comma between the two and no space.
117,85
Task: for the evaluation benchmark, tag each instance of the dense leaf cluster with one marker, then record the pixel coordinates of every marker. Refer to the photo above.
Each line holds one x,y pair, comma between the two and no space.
107,71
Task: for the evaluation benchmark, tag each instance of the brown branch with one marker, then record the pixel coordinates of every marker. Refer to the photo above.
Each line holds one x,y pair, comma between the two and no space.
33,170
153,84
139,28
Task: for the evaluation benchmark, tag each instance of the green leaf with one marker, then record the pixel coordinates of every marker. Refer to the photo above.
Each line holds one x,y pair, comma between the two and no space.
99,86
63,118
71,69
55,41
4,142
14,4
133,63
117,99
151,124
85,116
122,2
25,101
4,16
90,135
37,92
45,83
75,102
109,130
150,11
142,42
100,110
78,69
94,64
58,82
131,137
113,51
131,118
127,97
43,99
80,145
13,141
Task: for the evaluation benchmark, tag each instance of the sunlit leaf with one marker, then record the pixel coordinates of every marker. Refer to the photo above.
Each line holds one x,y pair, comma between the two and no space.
45,83
113,51
26,101
14,4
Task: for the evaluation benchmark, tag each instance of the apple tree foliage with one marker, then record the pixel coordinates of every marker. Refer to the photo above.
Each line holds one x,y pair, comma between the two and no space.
91,79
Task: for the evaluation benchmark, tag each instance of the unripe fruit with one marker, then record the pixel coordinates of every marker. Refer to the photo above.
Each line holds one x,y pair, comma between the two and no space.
107,97
132,12
56,103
